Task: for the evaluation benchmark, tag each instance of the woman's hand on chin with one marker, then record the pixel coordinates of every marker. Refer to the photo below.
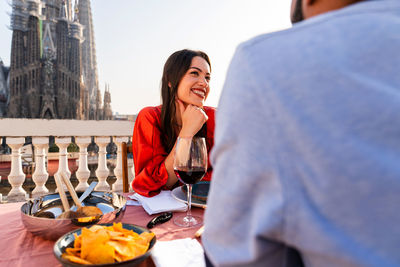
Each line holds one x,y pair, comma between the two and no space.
193,118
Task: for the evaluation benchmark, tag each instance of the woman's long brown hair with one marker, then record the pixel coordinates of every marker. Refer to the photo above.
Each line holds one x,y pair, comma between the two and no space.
174,69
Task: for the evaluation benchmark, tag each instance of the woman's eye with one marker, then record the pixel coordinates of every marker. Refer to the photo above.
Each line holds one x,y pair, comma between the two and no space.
195,73
208,78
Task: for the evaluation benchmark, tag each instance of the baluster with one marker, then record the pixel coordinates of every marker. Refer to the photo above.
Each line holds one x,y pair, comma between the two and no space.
1,195
40,175
102,170
63,143
117,186
131,170
16,177
83,173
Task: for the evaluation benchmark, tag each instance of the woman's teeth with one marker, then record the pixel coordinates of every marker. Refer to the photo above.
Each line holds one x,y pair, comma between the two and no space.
200,93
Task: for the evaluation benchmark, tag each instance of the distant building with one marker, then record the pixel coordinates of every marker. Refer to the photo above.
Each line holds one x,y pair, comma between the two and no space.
53,69
3,89
125,117
107,112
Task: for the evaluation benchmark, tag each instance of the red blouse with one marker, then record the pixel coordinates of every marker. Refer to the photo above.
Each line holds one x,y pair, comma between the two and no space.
149,154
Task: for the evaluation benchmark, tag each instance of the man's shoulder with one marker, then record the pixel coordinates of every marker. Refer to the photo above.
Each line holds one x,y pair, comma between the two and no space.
285,36
274,51
322,27
292,37
320,40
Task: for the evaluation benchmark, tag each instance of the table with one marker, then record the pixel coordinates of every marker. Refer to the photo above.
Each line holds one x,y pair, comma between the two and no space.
19,248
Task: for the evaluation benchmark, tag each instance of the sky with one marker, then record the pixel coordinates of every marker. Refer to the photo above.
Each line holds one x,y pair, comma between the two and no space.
134,38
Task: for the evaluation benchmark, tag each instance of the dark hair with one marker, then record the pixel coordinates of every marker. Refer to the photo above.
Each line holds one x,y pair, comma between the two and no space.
297,14
174,69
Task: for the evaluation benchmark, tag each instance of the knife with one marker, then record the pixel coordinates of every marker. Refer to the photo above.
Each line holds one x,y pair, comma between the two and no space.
85,194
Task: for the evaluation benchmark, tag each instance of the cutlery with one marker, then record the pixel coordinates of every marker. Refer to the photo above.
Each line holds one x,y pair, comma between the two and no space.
85,195
199,232
81,211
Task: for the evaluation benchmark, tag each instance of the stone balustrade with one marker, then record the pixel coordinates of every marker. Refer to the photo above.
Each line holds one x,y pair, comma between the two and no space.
15,132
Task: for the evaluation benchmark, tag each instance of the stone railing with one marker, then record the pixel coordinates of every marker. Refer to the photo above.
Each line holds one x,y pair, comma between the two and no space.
15,132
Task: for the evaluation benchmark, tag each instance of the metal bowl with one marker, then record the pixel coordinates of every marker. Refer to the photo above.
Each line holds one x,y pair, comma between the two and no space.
48,207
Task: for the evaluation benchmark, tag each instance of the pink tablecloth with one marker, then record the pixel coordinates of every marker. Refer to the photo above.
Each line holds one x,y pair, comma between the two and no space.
19,247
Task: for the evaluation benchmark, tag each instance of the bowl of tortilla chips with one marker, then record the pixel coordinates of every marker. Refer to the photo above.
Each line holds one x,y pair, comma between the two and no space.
112,244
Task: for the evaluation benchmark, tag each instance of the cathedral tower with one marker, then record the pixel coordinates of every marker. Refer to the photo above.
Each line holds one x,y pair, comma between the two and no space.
89,62
53,70
107,112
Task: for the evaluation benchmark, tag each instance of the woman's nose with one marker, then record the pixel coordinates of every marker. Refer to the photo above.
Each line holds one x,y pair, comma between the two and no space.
203,81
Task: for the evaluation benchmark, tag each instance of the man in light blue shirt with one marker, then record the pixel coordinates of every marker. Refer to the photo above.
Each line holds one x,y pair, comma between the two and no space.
307,142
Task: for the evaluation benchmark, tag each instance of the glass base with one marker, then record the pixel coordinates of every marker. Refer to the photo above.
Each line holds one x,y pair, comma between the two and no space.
188,220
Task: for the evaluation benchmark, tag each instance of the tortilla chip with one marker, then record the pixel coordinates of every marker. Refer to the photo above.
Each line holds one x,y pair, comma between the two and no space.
73,251
86,219
101,254
75,259
123,238
92,238
77,241
145,238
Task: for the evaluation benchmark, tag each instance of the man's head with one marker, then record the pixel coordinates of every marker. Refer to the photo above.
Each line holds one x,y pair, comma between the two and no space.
296,14
304,9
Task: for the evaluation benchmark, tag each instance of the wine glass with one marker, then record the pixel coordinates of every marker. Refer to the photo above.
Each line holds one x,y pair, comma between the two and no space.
190,166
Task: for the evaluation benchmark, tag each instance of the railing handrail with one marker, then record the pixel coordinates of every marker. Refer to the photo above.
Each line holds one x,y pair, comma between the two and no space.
60,128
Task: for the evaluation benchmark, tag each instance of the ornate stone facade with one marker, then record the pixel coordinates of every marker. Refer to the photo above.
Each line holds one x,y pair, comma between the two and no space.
53,69
4,89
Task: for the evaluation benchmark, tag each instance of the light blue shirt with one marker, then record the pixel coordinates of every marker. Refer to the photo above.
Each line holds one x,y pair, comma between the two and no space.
307,145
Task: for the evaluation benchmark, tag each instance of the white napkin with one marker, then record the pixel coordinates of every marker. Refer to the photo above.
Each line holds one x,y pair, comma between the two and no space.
159,203
131,202
178,253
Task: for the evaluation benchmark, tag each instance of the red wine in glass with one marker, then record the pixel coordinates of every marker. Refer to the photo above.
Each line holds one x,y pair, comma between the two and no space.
190,166
190,175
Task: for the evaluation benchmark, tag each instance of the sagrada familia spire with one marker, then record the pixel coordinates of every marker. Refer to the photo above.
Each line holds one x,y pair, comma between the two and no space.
53,70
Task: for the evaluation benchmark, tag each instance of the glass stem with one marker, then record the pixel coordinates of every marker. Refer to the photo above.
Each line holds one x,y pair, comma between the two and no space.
189,197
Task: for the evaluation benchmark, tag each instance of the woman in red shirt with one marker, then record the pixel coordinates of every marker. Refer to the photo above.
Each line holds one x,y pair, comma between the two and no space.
184,88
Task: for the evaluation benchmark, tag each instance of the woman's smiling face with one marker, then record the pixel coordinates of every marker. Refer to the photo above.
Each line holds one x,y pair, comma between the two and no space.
194,87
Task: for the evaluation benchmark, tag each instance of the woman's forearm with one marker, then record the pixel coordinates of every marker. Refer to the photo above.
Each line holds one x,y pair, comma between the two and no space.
169,165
